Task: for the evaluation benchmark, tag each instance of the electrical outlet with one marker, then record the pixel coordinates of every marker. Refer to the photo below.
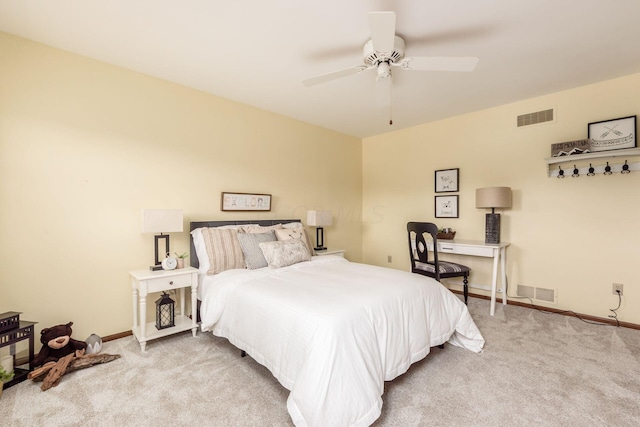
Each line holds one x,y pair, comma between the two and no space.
617,287
389,259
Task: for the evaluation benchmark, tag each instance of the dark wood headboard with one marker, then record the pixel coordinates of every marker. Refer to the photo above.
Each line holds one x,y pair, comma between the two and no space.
199,224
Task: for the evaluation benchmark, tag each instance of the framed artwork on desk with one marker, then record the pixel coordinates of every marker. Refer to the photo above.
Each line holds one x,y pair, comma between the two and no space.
447,180
446,206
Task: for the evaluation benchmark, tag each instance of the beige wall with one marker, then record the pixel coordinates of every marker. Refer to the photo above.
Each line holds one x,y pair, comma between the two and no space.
576,235
85,146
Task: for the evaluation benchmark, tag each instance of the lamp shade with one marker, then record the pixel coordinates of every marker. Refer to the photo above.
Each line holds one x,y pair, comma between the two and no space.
319,218
493,197
162,220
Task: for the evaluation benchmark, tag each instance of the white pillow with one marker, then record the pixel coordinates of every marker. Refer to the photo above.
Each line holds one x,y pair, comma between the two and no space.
283,253
292,225
201,250
255,229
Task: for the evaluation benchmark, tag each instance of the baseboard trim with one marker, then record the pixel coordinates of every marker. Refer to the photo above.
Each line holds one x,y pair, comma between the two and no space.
556,311
116,336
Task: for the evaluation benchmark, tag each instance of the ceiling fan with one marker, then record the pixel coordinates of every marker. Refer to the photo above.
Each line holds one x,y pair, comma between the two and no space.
385,50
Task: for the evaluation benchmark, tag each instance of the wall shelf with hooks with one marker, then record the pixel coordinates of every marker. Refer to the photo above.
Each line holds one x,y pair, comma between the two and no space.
566,163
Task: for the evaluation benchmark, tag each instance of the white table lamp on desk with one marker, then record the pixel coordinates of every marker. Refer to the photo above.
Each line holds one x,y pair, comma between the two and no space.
319,219
493,197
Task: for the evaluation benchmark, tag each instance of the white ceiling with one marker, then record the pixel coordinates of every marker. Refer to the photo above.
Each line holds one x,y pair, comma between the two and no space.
258,52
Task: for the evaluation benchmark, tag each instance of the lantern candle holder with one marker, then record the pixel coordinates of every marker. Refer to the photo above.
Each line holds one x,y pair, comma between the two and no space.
165,312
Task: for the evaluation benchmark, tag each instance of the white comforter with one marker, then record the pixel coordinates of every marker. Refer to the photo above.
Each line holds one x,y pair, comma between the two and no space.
332,331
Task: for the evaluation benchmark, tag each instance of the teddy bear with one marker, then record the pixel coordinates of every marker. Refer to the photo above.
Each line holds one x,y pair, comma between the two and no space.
57,343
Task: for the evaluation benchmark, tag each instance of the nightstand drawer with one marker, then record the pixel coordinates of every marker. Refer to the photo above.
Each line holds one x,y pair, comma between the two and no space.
166,283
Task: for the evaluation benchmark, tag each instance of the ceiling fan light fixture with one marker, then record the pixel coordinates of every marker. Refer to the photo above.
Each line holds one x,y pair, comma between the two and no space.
384,71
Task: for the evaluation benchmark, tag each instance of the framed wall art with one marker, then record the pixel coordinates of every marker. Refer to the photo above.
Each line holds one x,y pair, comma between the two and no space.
245,202
446,206
447,180
613,134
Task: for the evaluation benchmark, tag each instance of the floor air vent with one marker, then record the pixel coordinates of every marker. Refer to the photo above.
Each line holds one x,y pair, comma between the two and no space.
540,294
535,118
526,291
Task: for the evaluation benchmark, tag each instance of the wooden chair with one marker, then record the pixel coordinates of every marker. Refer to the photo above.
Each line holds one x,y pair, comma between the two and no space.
419,255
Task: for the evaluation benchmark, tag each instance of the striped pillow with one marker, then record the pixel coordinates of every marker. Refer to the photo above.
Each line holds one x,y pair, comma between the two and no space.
223,249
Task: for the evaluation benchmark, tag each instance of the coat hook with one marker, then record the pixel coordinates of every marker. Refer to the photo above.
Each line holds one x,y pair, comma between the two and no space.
560,173
607,169
592,171
576,172
625,168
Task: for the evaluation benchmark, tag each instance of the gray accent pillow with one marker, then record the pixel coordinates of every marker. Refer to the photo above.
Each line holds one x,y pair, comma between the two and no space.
253,255
285,252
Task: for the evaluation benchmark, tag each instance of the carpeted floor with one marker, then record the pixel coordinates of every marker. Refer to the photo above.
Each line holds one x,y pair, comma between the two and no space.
537,369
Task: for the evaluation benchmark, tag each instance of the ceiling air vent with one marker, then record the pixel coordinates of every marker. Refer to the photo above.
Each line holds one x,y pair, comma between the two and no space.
535,118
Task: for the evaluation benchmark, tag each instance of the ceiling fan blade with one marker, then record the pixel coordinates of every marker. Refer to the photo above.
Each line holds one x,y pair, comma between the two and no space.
334,75
383,30
440,63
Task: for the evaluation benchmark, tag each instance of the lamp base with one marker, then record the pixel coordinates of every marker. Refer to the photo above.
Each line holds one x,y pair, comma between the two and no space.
156,267
319,240
492,229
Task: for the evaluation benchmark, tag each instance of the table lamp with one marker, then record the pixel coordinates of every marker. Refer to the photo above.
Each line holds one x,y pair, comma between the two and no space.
161,221
493,197
319,219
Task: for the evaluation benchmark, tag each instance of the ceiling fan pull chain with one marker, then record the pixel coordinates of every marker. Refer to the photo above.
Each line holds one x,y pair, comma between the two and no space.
390,109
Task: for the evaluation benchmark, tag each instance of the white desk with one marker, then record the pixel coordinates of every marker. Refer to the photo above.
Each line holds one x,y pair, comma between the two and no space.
478,248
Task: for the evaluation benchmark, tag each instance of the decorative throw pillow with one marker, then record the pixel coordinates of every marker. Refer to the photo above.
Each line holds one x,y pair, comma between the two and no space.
201,247
259,229
298,233
253,256
283,253
292,225
223,249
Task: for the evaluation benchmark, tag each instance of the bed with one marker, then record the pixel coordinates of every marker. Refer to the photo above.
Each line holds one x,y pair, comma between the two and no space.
329,330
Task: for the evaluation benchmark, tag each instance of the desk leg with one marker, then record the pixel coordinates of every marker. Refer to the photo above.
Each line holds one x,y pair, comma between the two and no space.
503,261
494,281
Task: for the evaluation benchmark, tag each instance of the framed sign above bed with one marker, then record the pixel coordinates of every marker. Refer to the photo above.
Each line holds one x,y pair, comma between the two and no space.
245,202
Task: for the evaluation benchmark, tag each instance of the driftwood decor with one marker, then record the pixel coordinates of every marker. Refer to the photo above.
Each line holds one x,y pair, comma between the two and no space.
51,373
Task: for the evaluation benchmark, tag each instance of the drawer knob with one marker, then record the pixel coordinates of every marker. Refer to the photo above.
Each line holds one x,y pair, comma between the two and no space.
171,282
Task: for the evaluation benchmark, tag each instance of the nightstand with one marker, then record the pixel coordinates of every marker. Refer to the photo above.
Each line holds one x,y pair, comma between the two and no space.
144,282
329,251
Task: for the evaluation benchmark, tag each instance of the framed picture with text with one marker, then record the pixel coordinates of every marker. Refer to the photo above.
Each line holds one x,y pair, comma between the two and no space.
613,134
245,202
447,180
446,206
